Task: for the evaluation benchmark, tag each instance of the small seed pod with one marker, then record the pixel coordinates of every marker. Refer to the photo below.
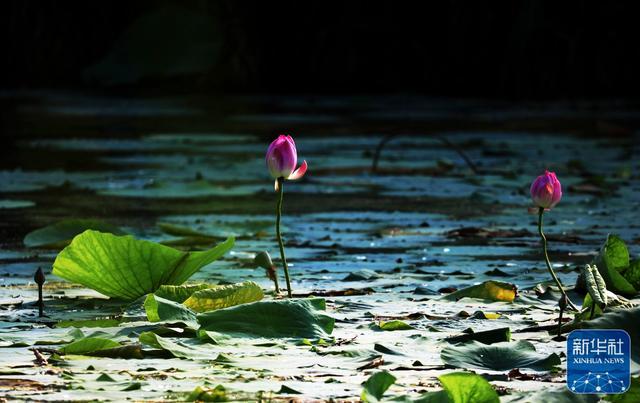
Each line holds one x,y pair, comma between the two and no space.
263,259
38,277
596,286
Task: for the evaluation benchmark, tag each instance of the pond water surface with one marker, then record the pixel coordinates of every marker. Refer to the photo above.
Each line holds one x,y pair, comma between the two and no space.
422,224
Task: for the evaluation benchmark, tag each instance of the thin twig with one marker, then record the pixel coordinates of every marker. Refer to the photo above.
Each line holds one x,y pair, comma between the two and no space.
461,153
444,140
378,151
40,359
47,350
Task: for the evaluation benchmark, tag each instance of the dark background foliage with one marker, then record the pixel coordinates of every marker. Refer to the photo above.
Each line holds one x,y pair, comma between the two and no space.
513,49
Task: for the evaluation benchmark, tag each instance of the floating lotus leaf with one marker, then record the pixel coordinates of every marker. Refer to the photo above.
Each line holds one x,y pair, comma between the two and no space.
127,268
60,234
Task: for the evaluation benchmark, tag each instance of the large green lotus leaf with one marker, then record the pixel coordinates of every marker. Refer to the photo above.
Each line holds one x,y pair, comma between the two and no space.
489,290
127,268
498,357
465,387
60,234
632,274
616,282
614,253
376,385
612,260
282,318
224,296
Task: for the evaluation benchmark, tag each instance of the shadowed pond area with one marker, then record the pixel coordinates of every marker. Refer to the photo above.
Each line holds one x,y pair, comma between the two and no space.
379,246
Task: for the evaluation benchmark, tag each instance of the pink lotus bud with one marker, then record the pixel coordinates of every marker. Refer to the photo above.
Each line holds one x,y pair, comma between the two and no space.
546,190
282,158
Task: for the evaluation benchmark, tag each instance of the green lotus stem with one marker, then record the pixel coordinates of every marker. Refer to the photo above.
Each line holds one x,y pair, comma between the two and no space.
283,257
548,262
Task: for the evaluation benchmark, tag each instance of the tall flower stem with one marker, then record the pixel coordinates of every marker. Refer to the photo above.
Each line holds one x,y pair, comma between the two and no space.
283,257
548,262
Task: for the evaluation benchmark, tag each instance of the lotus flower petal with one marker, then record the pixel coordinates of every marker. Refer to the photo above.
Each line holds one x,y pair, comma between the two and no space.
299,173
